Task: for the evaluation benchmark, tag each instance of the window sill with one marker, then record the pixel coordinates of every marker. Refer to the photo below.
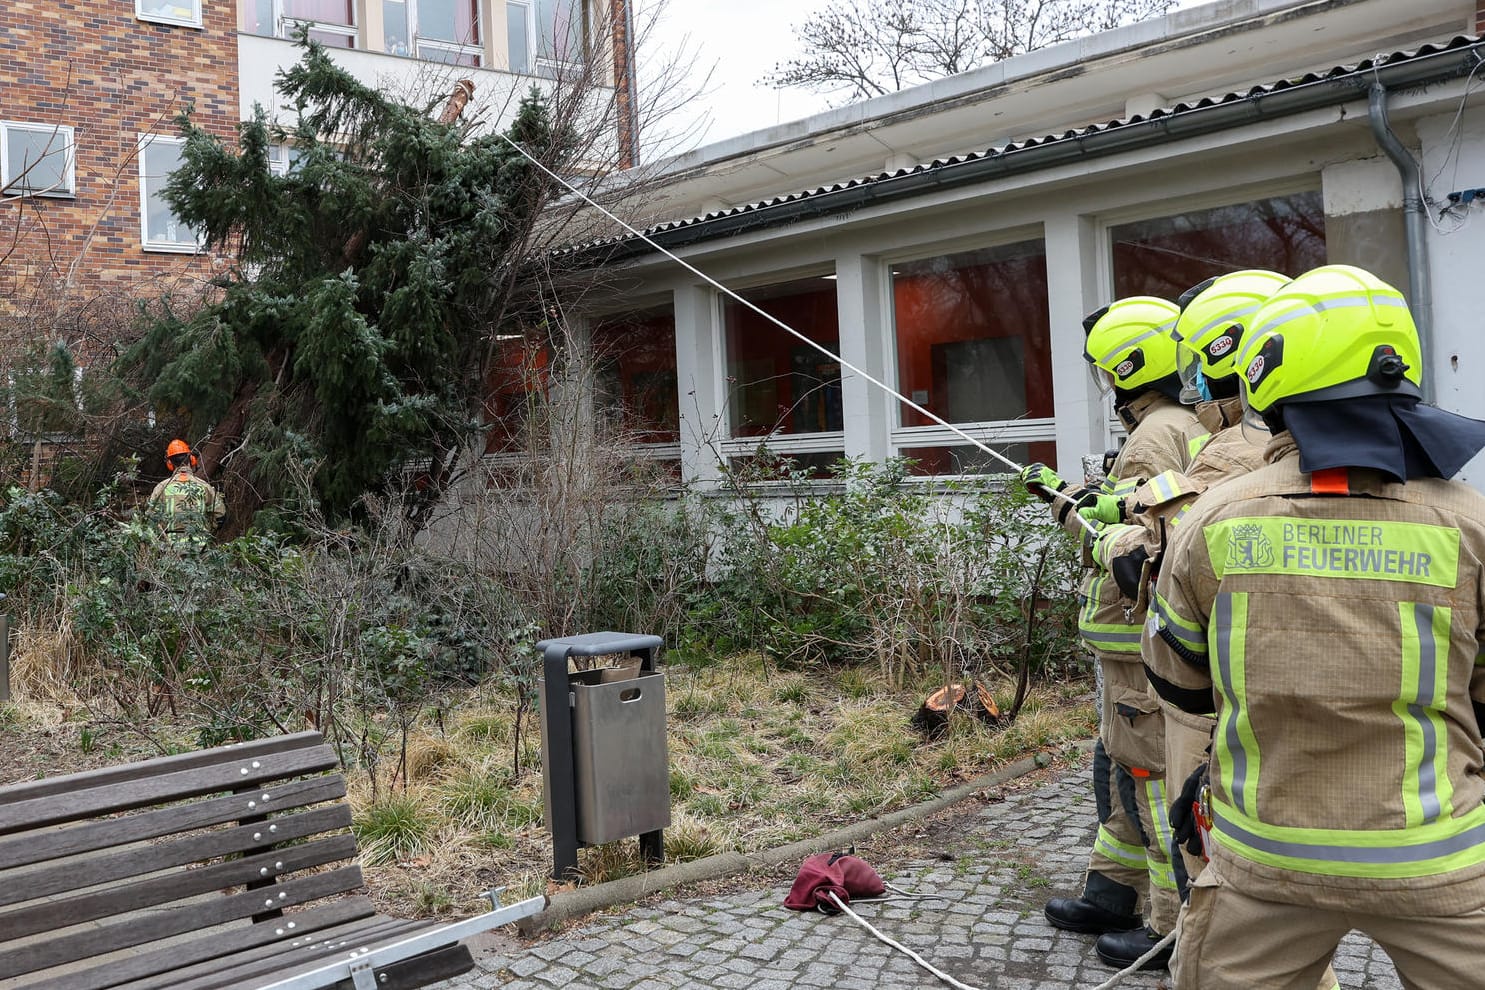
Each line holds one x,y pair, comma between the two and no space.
171,21
165,247
48,194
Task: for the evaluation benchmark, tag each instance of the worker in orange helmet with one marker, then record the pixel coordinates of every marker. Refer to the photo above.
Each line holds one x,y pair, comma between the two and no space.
185,507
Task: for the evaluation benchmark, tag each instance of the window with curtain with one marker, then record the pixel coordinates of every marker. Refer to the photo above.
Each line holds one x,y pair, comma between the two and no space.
544,36
186,12
334,20
438,30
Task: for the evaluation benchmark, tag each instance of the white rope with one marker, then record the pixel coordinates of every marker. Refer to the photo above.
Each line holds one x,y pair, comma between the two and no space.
1089,526
900,947
900,894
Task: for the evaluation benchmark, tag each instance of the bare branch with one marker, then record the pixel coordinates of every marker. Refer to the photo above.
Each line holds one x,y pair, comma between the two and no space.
855,49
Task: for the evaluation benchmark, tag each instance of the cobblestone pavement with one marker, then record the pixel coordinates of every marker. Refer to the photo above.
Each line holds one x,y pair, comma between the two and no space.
1008,858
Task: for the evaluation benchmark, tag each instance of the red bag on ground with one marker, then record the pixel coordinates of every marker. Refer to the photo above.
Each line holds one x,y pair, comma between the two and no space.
840,874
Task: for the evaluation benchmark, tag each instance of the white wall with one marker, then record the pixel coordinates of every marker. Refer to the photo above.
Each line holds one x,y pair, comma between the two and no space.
497,95
1456,258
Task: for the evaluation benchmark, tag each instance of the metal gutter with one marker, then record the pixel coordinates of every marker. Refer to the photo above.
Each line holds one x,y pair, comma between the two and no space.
1420,302
1339,86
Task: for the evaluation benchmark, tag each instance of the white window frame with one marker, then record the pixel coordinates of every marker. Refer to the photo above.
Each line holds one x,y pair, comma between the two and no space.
158,18
284,25
784,444
477,51
69,169
174,247
537,65
280,159
992,433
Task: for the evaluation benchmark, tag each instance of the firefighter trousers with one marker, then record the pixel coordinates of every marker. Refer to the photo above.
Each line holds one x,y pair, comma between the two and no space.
1232,940
1124,870
1187,738
1132,846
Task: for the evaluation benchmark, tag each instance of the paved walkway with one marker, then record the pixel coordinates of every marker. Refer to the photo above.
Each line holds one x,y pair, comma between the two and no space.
1008,858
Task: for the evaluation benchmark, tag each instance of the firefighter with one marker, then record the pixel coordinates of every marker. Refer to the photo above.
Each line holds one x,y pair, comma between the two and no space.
1214,317
186,509
1334,601
1131,354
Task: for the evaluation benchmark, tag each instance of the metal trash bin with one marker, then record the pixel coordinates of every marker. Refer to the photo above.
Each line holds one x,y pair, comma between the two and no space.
621,767
605,764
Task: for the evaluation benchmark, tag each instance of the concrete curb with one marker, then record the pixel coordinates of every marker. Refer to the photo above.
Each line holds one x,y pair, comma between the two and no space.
586,900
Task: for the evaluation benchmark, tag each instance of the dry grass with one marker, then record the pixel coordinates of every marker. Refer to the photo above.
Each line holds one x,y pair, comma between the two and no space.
758,757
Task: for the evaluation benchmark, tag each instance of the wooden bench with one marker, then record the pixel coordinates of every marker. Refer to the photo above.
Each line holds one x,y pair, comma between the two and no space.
228,867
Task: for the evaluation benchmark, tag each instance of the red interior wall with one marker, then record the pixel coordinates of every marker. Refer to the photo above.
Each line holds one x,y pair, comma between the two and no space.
999,299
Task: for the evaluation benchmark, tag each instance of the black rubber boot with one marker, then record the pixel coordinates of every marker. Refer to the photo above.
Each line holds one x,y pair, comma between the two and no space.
1074,914
1121,949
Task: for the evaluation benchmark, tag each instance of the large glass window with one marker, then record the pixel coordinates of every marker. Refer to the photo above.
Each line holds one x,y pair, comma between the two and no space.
636,380
159,157
331,22
1167,255
544,37
437,30
187,12
516,391
36,159
777,385
974,348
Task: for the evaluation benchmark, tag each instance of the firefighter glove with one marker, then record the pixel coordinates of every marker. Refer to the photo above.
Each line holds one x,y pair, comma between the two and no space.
1041,481
1102,508
1127,570
1183,812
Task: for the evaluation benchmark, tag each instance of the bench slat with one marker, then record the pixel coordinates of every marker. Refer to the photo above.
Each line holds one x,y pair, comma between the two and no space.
59,878
31,919
18,815
28,848
255,749
141,929
283,961
420,971
141,966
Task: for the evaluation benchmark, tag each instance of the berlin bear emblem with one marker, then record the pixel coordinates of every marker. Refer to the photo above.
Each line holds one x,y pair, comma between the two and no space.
1248,548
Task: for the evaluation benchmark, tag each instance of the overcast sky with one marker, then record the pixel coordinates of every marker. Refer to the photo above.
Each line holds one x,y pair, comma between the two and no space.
740,41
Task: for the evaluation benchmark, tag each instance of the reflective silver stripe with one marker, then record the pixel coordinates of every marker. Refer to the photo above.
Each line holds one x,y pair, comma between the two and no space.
1110,637
1157,605
1163,487
1341,302
1222,612
1379,855
1226,319
1428,784
1164,328
1175,520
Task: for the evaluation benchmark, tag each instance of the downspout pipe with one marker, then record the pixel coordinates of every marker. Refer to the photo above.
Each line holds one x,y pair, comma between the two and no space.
1415,224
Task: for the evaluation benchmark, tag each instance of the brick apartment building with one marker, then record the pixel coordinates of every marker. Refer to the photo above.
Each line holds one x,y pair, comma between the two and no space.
89,91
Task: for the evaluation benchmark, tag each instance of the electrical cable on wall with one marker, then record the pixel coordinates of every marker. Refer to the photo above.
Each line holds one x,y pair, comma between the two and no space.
1061,496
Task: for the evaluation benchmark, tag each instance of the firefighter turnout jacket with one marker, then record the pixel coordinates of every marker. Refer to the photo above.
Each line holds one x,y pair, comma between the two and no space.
1338,617
186,508
1166,437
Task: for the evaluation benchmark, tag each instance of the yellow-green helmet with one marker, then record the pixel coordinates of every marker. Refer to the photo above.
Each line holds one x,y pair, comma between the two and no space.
1336,332
1215,315
1129,344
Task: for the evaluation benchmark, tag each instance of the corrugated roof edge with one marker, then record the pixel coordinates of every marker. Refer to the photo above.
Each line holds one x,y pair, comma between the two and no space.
1429,63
